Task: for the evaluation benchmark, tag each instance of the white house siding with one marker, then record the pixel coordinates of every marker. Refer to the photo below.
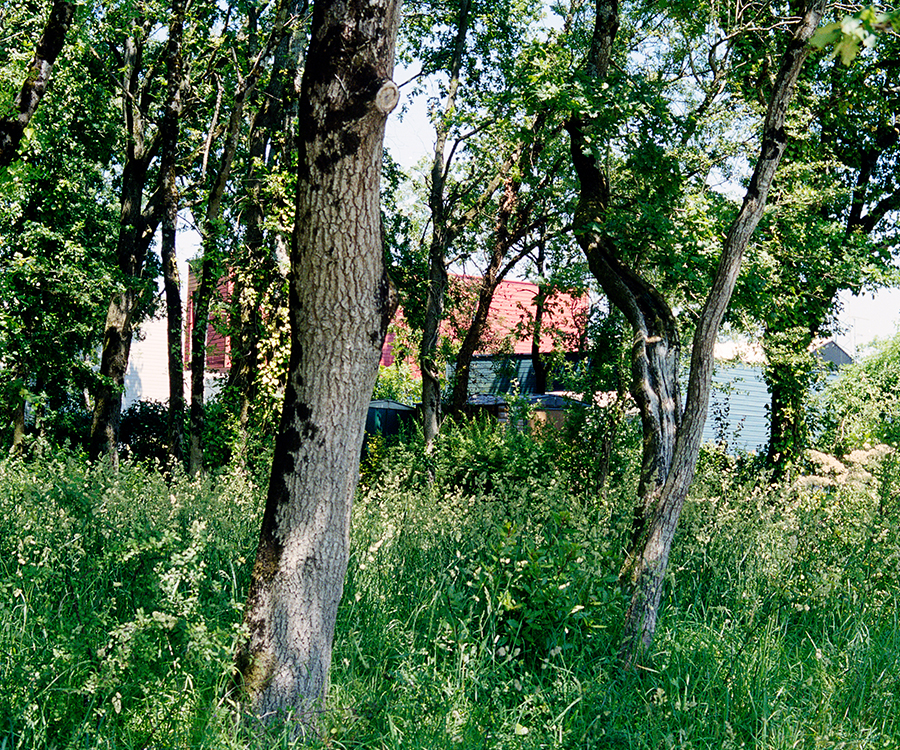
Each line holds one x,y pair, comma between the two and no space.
147,378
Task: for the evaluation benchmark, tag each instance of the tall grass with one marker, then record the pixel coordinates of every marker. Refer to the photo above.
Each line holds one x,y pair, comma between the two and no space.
481,609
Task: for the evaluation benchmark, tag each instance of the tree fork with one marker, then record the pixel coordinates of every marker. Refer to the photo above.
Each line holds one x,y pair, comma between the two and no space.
650,567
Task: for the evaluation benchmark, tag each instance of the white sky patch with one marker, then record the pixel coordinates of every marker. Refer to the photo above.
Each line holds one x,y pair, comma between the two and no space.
867,317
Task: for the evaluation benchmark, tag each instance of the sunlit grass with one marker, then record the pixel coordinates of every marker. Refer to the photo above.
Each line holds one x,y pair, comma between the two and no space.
480,611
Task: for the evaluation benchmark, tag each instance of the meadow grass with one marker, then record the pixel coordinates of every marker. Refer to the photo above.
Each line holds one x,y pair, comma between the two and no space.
481,609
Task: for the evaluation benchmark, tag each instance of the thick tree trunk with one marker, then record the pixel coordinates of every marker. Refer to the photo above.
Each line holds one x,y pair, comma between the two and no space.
340,302
37,79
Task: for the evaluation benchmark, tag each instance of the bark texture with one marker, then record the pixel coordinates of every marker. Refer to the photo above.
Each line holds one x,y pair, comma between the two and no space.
36,81
340,302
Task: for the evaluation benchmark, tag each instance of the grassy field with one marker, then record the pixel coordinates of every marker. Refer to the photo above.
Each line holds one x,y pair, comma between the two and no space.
480,611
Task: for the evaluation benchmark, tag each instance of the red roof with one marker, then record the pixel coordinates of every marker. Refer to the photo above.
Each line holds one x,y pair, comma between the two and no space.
511,319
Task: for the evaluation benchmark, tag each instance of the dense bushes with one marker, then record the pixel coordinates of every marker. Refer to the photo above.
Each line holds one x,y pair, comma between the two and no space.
481,607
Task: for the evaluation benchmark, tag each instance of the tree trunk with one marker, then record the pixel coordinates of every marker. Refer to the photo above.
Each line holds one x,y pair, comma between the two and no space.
340,303
441,237
650,568
169,137
270,139
202,299
18,413
37,79
503,241
540,302
136,230
671,440
789,374
211,270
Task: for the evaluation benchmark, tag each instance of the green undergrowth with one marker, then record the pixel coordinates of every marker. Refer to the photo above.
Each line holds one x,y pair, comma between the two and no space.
481,608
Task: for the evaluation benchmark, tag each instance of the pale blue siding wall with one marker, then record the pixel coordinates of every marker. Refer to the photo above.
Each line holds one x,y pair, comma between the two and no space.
741,398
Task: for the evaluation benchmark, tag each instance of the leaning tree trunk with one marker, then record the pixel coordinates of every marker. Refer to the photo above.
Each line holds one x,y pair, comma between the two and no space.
671,440
650,567
340,303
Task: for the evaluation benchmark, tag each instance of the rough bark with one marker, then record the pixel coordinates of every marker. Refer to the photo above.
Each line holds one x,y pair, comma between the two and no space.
340,301
442,234
36,81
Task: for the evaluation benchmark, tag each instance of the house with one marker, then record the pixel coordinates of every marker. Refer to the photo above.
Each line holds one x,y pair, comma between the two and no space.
508,335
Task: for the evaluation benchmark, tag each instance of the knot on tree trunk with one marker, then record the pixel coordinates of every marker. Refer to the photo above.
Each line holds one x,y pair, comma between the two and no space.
387,97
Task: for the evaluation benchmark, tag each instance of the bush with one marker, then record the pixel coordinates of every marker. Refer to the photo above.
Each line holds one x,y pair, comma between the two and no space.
143,432
861,405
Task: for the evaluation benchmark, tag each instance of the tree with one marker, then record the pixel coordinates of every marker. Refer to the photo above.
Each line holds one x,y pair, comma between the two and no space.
211,267
139,218
340,304
36,80
861,405
828,229
169,134
57,230
474,43
259,299
671,438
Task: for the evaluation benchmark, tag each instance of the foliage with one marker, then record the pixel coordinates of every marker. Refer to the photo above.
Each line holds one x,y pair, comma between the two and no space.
397,382
143,433
861,406
57,231
855,31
